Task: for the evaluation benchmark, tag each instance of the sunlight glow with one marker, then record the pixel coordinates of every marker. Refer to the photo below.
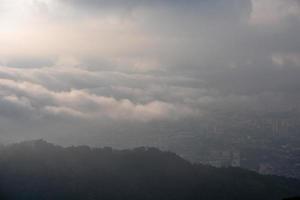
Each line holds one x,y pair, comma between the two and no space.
16,14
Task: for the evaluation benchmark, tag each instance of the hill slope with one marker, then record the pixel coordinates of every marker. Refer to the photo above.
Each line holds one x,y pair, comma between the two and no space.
38,170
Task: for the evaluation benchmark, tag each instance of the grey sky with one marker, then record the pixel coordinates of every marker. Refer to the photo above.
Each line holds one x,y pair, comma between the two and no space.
75,65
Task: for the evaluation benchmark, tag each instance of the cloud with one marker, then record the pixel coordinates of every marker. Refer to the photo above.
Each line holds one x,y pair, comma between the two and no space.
79,102
70,64
274,11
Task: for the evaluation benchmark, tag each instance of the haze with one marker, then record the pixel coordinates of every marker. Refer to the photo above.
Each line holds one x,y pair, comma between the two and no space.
128,73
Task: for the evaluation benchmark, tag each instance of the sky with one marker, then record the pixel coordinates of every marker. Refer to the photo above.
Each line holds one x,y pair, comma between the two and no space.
75,70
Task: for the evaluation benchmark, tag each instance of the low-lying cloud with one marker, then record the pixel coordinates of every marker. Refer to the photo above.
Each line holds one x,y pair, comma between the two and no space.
18,88
91,63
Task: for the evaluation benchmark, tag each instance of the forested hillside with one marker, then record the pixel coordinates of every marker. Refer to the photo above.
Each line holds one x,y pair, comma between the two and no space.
38,170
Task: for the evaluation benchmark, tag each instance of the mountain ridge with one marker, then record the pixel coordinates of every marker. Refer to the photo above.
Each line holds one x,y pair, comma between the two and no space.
41,170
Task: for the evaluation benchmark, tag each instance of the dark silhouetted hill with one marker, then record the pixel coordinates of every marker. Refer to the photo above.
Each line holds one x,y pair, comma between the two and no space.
38,170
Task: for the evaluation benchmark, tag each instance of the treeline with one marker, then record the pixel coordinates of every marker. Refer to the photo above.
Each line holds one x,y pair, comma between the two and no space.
38,170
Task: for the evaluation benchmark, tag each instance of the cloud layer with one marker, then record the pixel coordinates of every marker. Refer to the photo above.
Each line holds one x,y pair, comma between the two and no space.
27,88
98,62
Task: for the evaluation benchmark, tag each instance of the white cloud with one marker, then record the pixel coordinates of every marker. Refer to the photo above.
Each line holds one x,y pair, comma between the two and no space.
286,59
273,11
18,88
20,101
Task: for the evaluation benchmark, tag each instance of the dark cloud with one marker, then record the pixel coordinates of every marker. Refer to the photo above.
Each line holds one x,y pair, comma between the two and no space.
225,9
